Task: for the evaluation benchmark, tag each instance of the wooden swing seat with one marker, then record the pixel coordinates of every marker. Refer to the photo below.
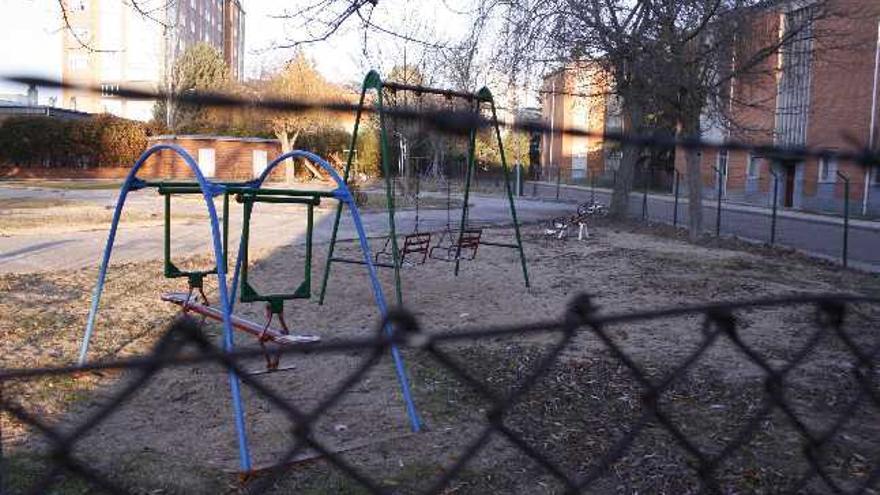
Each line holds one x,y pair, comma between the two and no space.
414,244
465,249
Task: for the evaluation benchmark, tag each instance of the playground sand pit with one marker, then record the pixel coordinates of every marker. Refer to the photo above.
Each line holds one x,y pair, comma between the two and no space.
176,434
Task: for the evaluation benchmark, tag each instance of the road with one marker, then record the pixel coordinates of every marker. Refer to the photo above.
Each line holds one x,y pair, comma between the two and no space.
272,226
820,236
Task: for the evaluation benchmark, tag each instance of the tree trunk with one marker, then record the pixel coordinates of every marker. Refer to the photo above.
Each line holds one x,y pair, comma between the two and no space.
694,179
288,164
623,183
315,171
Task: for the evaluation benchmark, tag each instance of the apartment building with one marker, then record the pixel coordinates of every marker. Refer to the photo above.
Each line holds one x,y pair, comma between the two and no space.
114,43
820,89
577,97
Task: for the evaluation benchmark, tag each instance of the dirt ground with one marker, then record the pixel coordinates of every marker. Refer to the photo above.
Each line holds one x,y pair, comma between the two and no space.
176,434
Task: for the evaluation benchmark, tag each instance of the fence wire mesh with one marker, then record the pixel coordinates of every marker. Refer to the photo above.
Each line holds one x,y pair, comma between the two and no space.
798,411
804,405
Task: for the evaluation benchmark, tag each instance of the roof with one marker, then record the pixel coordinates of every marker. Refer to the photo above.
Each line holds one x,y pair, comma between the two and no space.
211,137
12,108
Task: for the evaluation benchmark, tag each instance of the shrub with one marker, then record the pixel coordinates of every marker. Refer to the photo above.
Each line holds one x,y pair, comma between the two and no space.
119,141
368,151
100,140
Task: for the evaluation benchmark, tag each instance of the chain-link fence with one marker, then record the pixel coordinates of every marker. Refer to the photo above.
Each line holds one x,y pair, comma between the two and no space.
579,404
762,211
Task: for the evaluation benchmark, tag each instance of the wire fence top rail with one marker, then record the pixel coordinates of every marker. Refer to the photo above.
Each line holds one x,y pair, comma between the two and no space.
185,344
462,122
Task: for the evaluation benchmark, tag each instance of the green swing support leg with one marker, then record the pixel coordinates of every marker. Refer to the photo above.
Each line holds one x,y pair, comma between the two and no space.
471,163
522,255
340,204
389,196
371,81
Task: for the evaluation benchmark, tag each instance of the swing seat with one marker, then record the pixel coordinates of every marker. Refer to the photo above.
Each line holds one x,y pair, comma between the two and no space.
272,334
413,244
465,249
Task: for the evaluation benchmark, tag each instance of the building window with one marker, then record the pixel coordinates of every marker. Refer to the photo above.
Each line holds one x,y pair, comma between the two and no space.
723,156
206,161
109,89
827,169
754,168
612,162
80,34
77,61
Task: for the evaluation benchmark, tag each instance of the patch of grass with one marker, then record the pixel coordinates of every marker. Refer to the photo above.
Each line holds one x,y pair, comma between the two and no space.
64,184
138,472
30,216
441,395
21,471
31,203
329,483
155,472
376,201
323,479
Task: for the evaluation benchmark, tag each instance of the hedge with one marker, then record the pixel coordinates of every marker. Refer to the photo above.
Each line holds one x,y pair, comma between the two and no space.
97,141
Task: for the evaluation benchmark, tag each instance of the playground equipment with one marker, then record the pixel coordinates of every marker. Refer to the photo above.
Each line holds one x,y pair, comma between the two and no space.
559,226
468,239
415,243
195,300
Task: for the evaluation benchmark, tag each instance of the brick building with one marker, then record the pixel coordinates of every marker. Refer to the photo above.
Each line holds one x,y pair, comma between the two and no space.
819,90
577,97
113,44
222,158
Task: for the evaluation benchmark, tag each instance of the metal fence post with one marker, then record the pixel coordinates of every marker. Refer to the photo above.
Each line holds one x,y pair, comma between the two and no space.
675,203
845,216
775,205
718,213
520,181
558,180
593,187
645,193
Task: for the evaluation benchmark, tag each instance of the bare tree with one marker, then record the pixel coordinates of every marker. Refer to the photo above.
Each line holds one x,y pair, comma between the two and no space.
664,58
299,79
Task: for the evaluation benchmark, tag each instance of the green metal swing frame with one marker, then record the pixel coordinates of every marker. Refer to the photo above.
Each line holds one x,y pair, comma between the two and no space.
373,81
247,195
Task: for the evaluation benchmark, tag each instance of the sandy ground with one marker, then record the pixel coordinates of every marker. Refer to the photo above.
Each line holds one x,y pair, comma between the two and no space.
176,434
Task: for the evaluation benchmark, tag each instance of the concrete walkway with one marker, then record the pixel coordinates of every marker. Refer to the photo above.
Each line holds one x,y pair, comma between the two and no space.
819,236
272,226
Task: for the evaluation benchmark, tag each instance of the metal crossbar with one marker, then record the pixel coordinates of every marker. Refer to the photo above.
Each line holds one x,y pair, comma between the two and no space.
720,325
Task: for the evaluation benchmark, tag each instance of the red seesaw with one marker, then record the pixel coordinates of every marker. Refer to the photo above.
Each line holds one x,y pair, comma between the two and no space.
269,334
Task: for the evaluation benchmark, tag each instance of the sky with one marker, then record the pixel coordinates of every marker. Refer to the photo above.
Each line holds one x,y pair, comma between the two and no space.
30,34
341,58
31,43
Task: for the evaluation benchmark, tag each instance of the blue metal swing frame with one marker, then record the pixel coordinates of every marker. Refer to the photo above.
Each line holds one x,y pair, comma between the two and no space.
227,291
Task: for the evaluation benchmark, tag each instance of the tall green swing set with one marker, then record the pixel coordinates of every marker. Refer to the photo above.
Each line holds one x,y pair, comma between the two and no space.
460,245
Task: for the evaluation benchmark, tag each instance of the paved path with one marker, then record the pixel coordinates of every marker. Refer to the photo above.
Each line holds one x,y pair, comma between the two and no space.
272,226
820,236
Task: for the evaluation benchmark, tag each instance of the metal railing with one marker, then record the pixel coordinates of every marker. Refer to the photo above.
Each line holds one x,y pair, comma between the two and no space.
674,187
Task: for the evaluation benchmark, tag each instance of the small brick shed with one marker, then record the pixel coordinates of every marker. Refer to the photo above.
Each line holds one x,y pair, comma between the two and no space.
225,158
